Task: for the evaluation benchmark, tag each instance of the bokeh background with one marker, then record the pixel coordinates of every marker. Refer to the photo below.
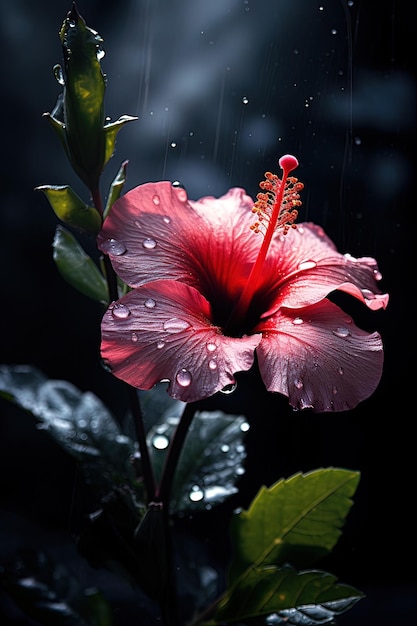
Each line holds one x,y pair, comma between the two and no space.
222,89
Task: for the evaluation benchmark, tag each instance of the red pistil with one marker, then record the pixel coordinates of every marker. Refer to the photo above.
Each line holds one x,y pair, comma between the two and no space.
276,209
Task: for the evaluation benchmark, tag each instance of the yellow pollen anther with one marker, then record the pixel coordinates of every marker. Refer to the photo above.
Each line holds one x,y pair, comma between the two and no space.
266,207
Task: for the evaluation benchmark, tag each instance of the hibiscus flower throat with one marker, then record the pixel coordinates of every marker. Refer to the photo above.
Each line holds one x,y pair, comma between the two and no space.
276,210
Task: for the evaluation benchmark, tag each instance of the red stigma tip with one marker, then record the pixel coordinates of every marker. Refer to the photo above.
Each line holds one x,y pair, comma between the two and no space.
287,163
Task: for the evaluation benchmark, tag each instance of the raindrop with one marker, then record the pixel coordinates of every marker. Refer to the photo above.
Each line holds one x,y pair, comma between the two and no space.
150,303
134,337
156,199
341,371
173,144
166,219
239,471
211,347
160,442
149,243
160,344
367,293
245,100
184,378
297,321
307,265
59,74
228,389
358,141
121,311
175,325
114,247
298,383
335,390
212,365
334,31
181,194
225,448
196,494
244,427
341,331
377,275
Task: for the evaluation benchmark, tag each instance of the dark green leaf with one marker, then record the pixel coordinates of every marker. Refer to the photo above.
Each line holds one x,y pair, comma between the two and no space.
77,268
116,188
51,595
69,207
296,520
81,424
111,131
311,597
211,460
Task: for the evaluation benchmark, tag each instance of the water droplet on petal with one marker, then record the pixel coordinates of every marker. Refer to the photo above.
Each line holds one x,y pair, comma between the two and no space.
196,494
211,347
228,389
114,247
341,371
181,194
160,442
368,294
160,344
184,378
134,337
149,243
121,311
341,331
166,219
225,448
298,383
377,275
297,321
244,427
307,265
335,390
212,365
150,303
156,199
175,325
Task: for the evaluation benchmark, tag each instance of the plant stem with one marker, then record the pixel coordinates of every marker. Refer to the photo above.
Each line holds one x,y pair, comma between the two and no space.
163,493
148,475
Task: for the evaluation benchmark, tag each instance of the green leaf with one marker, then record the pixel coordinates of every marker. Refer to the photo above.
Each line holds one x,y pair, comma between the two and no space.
111,131
79,114
51,595
312,596
116,188
77,268
69,207
81,424
211,461
297,520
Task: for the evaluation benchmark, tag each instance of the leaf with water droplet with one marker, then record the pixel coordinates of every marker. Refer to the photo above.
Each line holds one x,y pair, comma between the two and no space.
82,425
79,116
309,597
50,594
211,461
71,209
78,269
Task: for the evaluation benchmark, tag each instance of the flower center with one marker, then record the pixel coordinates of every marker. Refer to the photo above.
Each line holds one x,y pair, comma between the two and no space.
275,209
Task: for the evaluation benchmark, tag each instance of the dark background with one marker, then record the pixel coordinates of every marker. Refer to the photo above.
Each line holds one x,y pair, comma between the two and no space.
222,89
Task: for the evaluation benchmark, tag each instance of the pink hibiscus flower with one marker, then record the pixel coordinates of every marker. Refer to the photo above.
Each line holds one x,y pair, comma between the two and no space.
215,282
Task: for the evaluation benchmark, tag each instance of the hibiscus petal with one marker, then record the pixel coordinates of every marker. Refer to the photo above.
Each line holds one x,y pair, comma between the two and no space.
153,232
319,358
162,331
304,267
